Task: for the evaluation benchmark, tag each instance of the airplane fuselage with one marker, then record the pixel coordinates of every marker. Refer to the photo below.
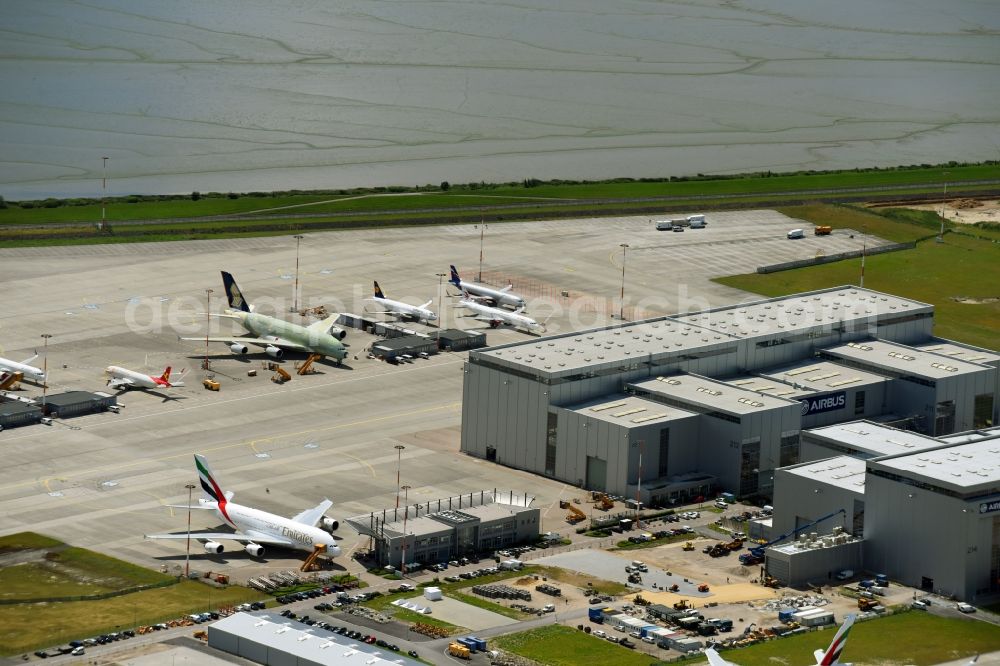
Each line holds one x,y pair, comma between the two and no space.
501,298
423,314
503,316
29,371
137,379
249,521
264,326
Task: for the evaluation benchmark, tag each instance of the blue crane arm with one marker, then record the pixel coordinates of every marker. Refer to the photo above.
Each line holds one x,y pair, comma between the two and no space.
758,551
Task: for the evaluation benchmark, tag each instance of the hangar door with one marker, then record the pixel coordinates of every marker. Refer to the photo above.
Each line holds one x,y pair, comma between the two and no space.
597,474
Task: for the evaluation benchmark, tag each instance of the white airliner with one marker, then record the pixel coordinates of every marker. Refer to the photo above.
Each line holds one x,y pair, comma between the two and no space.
418,312
497,316
255,527
123,378
499,297
828,657
8,367
276,335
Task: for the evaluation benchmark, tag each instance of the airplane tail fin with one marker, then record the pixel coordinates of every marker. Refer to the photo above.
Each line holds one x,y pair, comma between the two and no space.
166,375
233,293
209,485
832,654
378,291
455,280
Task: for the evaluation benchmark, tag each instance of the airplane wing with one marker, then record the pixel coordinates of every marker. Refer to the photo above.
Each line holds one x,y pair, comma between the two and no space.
324,325
311,516
506,289
715,660
200,507
427,304
268,539
262,342
118,382
29,360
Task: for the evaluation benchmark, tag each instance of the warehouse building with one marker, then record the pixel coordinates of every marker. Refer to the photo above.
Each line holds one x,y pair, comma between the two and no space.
933,518
393,348
77,403
862,439
940,396
445,529
963,352
834,487
928,508
454,339
754,375
14,414
269,638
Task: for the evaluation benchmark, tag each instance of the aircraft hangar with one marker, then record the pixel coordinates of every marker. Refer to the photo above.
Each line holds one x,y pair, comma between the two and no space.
751,376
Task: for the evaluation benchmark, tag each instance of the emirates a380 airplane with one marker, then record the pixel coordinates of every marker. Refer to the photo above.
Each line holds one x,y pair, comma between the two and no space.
255,528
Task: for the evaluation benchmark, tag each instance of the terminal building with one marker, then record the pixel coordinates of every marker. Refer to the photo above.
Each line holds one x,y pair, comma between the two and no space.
717,401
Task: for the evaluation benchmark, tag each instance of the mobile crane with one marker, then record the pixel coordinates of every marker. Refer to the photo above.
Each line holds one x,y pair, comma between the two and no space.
755,554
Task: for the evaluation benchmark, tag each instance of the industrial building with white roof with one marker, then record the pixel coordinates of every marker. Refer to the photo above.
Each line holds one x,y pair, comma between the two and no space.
723,399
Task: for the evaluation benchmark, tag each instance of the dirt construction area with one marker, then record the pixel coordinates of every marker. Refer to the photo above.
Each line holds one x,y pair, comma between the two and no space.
965,211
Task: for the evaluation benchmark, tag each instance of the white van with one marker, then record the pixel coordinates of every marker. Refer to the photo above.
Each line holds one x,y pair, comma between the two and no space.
664,225
696,221
796,233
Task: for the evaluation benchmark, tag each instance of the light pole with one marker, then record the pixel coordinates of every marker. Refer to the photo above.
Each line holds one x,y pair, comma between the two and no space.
621,312
406,512
187,557
104,190
482,231
295,292
864,253
399,460
208,324
45,369
440,306
940,238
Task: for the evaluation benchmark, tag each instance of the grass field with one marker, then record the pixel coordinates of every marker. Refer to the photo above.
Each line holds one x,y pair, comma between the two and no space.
182,218
564,646
914,638
958,276
60,571
907,638
25,627
72,572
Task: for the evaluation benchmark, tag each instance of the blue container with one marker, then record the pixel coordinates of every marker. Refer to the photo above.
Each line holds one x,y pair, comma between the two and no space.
785,614
480,643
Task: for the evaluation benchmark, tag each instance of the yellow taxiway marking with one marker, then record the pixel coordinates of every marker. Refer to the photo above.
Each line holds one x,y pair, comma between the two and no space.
104,470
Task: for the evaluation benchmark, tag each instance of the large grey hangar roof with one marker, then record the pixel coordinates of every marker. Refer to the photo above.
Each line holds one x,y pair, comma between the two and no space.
711,394
873,438
629,411
713,330
901,358
960,467
845,472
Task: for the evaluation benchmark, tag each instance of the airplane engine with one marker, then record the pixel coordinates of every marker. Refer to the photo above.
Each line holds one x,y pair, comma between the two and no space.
329,524
213,547
238,349
253,550
274,352
338,332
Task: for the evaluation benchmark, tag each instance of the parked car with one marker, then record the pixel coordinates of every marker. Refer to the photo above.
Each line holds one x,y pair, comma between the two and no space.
965,608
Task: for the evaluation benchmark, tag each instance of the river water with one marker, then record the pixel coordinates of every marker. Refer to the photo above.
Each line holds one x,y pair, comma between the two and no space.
245,95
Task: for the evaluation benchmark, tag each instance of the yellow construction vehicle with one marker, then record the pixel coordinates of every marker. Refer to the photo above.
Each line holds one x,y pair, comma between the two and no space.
311,563
688,546
280,375
574,515
305,368
210,384
11,380
458,650
683,604
604,503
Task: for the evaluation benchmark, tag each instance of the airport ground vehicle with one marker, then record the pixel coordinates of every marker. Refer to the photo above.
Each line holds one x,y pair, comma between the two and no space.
823,230
796,233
